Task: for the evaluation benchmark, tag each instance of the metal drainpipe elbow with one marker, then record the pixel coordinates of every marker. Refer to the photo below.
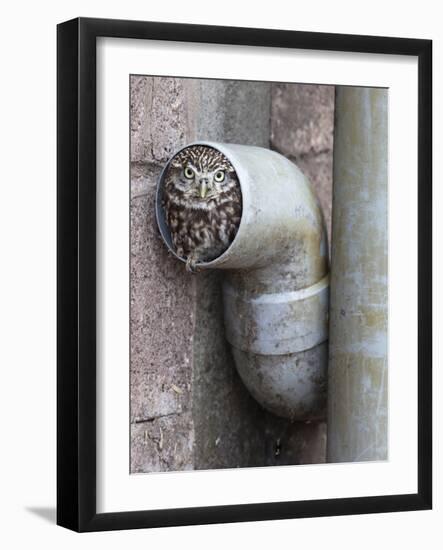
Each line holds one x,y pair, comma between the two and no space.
276,285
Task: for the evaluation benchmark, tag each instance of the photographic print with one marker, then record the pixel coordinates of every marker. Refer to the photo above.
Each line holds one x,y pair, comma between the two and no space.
238,337
231,245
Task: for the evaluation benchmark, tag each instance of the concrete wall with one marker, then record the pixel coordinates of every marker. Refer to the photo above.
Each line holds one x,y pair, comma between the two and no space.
189,408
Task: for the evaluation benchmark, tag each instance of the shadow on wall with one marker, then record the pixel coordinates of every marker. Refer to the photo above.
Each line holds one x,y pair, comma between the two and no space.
189,408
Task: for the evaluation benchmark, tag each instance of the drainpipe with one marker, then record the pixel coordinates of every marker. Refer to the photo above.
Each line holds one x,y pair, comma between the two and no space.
357,387
276,283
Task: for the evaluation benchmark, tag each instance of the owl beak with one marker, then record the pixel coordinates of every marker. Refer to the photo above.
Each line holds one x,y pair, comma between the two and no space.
203,189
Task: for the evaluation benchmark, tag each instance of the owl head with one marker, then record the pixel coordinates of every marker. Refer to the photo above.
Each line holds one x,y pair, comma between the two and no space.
201,173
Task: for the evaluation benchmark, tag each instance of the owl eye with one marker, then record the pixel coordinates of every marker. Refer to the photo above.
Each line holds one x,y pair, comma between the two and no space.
188,173
219,176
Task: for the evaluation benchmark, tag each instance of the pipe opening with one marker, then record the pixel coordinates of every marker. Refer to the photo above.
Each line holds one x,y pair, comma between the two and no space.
199,204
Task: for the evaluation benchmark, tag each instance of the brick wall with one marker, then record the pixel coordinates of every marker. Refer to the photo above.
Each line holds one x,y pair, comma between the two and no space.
189,408
302,125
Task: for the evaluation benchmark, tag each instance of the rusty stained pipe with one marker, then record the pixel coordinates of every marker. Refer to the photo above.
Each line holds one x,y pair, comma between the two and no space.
276,285
358,367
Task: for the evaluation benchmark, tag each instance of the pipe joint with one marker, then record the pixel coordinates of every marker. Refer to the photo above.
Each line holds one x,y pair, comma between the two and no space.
279,323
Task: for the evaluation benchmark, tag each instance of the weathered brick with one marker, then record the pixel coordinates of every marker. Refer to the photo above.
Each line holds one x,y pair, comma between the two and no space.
302,118
162,320
141,99
163,444
158,119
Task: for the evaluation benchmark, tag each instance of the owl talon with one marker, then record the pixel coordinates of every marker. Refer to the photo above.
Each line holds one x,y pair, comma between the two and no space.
191,265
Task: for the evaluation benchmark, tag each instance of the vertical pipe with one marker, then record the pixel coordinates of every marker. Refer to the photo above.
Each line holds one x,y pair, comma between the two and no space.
357,380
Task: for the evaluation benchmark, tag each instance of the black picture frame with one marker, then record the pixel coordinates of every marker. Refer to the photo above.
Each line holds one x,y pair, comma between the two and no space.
76,278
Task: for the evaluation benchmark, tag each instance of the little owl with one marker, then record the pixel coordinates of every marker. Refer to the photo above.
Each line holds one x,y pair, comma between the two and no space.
202,203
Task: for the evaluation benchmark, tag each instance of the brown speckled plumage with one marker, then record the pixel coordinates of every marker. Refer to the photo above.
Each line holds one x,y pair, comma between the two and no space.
202,210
